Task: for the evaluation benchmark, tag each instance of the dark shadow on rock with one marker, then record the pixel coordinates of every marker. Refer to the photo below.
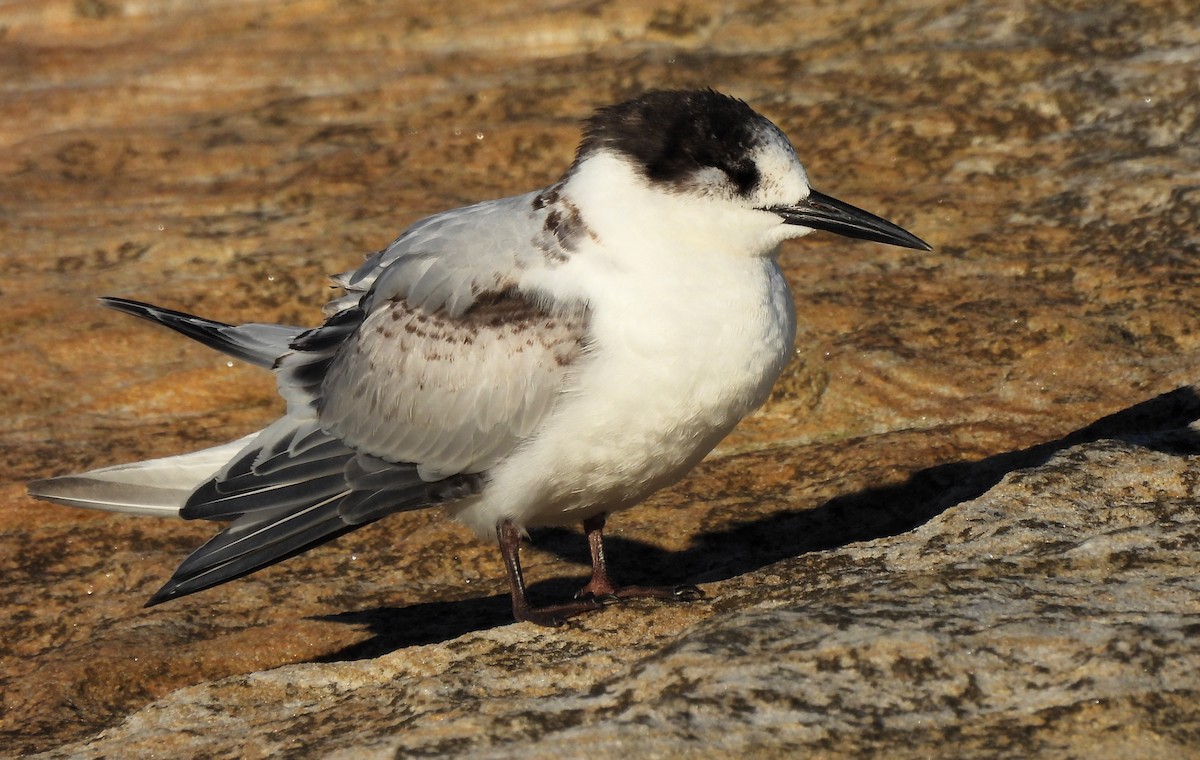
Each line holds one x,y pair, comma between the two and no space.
393,628
1160,423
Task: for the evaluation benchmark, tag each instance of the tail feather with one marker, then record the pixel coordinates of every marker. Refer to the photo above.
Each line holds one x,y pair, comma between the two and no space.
258,344
154,487
94,493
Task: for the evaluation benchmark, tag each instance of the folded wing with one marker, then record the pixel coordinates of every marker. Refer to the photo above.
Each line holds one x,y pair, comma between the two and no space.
434,367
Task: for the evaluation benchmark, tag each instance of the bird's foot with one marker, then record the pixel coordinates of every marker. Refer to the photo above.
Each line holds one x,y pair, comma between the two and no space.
683,593
555,615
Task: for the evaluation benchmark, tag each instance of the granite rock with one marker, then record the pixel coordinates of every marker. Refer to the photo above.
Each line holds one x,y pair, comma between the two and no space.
1056,614
964,524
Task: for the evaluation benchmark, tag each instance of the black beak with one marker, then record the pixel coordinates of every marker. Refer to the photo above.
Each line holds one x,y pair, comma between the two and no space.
821,212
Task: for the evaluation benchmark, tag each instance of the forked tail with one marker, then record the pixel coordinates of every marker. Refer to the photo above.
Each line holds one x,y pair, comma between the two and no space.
153,487
256,343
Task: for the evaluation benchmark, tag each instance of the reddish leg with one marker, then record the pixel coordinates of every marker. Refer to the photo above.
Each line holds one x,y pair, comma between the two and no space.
554,615
603,587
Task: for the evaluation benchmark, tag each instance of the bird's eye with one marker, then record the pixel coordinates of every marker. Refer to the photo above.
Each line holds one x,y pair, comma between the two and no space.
744,176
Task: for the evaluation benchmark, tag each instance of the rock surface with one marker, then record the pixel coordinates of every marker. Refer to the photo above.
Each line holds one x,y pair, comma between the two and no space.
922,546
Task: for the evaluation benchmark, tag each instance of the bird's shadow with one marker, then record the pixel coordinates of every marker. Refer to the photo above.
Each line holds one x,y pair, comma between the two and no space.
1161,423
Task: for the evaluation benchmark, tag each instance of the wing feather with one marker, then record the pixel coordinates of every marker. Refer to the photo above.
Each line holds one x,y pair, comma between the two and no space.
430,369
277,510
449,394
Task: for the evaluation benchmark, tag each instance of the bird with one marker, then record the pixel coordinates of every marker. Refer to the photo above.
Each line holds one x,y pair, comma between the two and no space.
546,359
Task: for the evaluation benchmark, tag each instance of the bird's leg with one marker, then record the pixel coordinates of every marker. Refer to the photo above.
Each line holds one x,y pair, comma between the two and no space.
554,615
602,585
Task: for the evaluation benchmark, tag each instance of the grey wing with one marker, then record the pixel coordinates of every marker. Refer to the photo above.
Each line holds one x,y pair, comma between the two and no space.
292,488
450,394
446,260
259,344
442,360
432,368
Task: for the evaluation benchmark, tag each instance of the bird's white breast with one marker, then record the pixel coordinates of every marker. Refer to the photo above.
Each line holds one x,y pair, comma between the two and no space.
680,350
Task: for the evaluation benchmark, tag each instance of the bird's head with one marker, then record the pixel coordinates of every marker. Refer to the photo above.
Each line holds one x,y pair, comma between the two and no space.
709,163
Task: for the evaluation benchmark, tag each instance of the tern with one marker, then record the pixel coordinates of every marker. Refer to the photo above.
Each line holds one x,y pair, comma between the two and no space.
540,360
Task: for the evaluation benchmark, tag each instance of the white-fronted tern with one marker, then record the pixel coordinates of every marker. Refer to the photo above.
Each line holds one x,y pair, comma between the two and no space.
545,359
